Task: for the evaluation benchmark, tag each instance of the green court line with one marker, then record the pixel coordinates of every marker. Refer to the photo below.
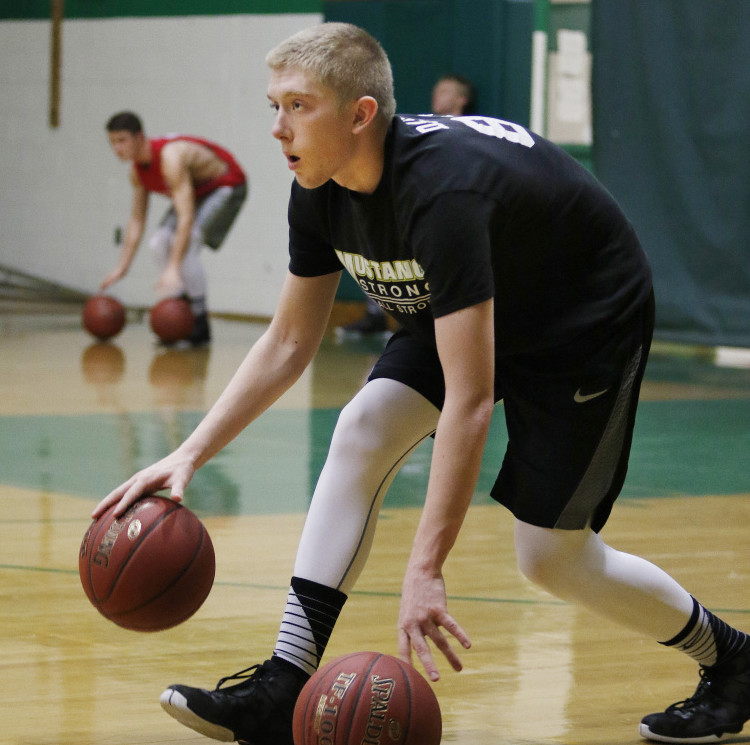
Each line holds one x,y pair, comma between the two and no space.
358,593
45,521
285,588
386,594
49,570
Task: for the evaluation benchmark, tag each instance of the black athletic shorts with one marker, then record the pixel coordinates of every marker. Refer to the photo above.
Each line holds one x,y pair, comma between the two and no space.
570,414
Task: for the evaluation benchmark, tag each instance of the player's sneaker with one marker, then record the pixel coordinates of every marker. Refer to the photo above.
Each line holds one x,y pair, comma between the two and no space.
371,323
720,706
257,709
201,333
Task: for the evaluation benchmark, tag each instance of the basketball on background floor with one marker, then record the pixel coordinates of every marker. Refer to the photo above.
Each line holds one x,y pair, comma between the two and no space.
103,316
172,319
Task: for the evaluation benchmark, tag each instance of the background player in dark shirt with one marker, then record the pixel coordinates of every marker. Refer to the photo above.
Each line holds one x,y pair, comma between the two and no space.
452,94
515,276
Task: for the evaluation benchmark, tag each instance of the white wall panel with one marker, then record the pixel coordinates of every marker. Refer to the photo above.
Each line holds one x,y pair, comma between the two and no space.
63,192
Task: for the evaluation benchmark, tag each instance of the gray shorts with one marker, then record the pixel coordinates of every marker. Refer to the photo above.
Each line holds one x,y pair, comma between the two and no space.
214,214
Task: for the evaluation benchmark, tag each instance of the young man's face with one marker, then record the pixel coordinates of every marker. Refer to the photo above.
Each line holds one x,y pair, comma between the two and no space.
125,144
448,98
315,132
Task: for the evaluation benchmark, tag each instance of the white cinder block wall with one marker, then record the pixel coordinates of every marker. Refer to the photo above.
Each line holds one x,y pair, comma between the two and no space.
63,193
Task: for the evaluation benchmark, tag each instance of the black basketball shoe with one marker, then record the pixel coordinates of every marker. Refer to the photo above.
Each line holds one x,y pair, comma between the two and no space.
720,706
257,710
372,322
201,334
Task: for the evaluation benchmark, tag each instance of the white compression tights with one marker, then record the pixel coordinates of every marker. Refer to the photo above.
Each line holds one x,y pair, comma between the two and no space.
577,566
375,434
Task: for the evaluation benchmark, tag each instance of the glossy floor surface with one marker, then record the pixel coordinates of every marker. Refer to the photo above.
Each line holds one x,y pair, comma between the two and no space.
77,417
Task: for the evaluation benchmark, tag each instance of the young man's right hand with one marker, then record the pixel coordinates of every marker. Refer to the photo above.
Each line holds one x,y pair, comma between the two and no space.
173,472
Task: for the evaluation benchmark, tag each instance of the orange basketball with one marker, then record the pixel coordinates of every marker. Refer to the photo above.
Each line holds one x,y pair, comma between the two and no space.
172,319
103,316
367,697
149,569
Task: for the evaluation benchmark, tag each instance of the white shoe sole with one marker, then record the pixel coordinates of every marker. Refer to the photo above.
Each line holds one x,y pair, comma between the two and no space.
175,704
647,734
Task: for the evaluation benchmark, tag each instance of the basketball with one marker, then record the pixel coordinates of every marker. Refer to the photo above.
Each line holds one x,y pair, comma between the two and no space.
103,316
172,319
151,568
367,697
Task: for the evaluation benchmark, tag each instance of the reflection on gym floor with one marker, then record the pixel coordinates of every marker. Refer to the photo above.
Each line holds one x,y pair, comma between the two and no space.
78,416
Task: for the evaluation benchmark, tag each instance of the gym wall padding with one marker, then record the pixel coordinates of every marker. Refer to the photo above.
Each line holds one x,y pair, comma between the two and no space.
671,106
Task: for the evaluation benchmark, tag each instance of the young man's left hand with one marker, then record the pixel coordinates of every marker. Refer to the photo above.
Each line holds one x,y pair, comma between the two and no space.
424,609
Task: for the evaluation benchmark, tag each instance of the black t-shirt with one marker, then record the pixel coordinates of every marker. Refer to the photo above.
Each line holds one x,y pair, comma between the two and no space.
470,208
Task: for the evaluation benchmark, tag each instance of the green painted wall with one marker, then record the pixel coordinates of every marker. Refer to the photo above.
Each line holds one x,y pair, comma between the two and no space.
40,9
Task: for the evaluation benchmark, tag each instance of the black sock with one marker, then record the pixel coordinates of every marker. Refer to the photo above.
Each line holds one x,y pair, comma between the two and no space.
707,639
311,612
198,305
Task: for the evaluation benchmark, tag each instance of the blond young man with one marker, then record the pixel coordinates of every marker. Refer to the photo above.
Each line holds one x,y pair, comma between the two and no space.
514,276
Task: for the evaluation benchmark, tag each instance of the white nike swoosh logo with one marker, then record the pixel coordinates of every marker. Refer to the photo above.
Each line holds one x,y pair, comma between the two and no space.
580,398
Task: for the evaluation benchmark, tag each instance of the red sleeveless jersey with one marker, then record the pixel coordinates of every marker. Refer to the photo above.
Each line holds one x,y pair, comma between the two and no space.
152,178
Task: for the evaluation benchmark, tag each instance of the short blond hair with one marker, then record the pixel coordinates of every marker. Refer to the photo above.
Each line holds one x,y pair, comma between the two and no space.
344,58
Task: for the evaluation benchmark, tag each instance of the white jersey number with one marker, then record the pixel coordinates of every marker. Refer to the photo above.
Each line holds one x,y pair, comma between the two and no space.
486,125
498,128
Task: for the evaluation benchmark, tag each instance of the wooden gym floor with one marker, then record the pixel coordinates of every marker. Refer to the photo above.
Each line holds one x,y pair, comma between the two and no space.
77,417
